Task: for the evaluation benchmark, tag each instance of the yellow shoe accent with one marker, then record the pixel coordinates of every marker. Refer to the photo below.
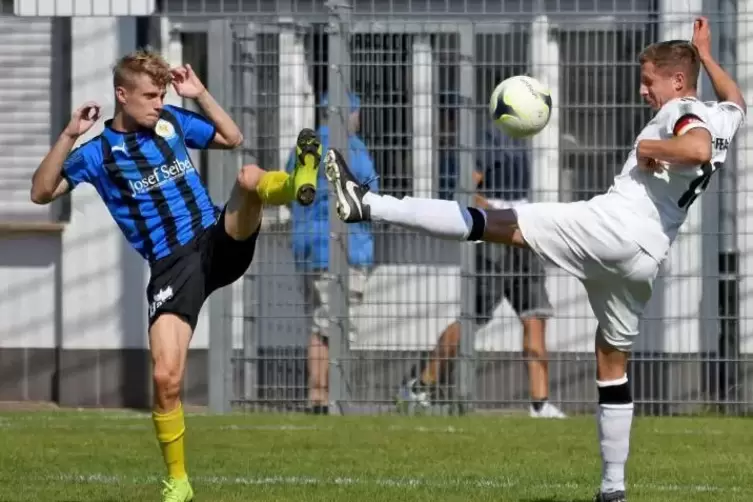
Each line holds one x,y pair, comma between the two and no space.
276,188
308,150
176,490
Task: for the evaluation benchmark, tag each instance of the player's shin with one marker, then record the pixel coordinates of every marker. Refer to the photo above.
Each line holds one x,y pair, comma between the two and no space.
170,428
615,417
444,219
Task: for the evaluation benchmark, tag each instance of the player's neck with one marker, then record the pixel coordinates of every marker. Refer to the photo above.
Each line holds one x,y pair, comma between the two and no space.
690,93
121,123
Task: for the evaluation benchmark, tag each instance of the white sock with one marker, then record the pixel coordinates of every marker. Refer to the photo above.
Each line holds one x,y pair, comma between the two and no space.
440,218
614,421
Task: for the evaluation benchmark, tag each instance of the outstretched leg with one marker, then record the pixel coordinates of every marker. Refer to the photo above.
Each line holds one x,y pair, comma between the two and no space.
440,218
255,188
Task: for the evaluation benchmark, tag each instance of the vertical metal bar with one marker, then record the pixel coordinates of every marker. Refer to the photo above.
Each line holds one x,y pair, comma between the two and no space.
247,114
220,375
466,367
339,109
728,283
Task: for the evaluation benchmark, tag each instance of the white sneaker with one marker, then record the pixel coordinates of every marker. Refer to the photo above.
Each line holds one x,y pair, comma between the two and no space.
548,410
411,395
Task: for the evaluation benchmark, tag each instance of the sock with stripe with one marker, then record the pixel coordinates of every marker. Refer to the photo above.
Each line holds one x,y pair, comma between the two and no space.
444,219
615,417
170,428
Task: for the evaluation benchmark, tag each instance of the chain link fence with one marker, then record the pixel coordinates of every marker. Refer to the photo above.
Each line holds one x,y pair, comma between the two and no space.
421,85
380,306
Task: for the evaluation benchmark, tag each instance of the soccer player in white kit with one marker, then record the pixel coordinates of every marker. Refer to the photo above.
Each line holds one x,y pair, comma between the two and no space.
614,242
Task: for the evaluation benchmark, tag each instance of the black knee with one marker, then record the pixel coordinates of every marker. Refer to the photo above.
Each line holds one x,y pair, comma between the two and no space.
615,392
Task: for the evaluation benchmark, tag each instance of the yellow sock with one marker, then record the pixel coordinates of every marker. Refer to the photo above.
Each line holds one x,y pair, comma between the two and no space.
170,428
276,188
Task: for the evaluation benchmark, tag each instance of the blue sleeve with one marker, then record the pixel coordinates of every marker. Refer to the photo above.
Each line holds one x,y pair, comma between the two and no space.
290,166
363,167
81,164
198,131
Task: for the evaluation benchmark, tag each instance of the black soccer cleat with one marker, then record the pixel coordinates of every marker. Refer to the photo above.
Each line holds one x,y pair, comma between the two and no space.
611,497
350,206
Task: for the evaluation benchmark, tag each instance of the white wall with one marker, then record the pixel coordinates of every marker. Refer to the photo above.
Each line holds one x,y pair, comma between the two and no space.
104,302
27,297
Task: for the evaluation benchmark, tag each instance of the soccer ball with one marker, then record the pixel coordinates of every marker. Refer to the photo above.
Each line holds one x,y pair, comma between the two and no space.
520,106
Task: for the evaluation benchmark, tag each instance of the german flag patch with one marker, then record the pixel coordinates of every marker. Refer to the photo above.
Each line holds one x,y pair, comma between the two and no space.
686,123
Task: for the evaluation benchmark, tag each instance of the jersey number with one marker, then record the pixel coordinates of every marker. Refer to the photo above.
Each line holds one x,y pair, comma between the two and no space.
698,185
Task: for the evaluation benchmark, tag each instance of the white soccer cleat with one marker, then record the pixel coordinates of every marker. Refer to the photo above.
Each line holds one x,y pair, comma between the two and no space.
350,206
548,410
610,497
412,395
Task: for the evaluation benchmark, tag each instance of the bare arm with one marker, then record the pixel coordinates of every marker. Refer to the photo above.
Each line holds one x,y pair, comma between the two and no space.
47,183
188,85
228,134
724,86
479,200
692,148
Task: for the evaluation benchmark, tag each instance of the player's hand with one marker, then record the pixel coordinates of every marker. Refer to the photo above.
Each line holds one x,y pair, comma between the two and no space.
702,36
651,165
186,83
83,119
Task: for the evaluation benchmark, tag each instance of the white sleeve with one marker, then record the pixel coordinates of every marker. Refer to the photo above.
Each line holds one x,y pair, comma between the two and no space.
734,115
685,115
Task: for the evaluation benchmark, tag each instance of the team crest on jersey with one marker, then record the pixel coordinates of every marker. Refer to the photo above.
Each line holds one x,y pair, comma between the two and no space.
164,129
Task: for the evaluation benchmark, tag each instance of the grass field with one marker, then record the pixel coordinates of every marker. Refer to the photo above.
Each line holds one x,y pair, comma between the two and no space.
113,456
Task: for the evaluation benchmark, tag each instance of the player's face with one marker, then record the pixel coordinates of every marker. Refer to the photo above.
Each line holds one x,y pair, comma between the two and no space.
657,87
142,101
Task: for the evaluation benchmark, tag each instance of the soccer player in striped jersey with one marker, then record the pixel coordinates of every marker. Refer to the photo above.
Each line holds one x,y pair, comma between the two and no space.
141,168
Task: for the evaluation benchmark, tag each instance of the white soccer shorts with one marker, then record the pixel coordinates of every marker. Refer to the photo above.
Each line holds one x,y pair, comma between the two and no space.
594,246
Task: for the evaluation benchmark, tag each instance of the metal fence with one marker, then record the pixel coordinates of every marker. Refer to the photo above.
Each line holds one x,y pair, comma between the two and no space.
423,72
423,82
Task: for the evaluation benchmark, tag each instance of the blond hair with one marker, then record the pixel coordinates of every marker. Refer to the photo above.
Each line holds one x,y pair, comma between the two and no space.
142,62
677,55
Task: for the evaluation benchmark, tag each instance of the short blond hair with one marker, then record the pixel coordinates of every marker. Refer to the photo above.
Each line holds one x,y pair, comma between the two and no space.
674,55
142,62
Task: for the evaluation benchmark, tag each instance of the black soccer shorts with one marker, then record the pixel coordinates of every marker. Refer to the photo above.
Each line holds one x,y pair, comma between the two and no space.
512,273
181,283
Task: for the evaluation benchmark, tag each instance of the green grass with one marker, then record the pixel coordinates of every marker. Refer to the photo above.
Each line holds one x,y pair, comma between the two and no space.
109,456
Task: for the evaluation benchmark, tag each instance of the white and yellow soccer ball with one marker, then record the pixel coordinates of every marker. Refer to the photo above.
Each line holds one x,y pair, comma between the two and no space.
520,106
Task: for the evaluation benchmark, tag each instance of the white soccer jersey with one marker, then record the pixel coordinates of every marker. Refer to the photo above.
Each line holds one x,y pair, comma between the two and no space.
653,205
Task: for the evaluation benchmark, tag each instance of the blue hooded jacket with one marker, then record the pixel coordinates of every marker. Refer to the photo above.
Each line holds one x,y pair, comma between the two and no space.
311,223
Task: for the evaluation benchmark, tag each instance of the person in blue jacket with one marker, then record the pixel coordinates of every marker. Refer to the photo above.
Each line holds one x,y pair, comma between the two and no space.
310,243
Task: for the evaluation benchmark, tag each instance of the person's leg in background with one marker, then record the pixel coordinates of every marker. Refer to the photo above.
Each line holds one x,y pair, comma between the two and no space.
525,289
424,384
316,293
318,351
318,374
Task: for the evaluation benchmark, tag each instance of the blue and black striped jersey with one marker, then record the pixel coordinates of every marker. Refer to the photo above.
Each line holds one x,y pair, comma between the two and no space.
148,182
